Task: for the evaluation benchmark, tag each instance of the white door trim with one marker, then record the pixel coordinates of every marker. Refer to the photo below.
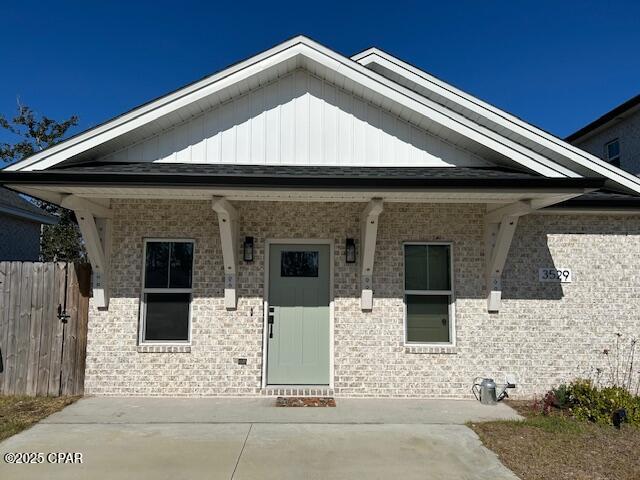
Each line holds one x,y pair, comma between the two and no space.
265,301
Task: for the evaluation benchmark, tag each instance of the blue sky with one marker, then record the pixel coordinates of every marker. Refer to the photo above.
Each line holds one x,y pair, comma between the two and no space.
556,64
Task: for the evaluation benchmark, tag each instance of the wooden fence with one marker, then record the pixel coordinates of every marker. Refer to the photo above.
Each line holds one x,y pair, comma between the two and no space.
43,327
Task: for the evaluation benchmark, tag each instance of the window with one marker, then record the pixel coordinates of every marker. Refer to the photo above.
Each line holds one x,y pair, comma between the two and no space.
299,264
166,291
428,293
612,152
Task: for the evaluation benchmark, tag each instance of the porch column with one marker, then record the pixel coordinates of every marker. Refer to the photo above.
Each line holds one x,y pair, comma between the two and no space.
94,221
499,236
368,236
500,225
228,224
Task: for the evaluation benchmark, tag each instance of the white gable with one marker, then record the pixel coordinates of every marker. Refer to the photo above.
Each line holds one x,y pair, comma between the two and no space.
299,119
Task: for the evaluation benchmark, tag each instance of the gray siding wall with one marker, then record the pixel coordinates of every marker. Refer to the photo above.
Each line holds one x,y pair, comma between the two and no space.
19,239
628,132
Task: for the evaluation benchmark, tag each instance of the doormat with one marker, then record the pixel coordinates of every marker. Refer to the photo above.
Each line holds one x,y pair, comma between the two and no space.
305,402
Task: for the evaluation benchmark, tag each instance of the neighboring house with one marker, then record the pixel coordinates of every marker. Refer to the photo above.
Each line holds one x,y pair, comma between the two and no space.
20,227
614,137
306,222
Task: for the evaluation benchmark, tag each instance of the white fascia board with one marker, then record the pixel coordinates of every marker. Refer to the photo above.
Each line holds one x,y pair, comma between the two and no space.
315,52
500,117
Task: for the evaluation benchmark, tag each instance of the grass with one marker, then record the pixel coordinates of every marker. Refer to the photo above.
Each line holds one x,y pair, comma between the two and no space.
18,413
557,447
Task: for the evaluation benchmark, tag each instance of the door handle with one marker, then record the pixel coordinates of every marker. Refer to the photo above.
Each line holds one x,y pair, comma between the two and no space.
270,320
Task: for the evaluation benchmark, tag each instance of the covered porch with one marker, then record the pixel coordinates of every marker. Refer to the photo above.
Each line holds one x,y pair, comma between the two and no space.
232,220
504,194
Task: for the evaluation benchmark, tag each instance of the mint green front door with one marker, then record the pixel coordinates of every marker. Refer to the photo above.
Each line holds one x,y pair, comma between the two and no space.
298,322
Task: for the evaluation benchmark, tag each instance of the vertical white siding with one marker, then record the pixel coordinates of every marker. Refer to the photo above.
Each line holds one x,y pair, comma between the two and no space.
298,120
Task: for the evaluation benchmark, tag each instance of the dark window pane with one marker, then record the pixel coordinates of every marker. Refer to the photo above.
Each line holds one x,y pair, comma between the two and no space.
426,267
415,267
439,267
167,316
427,318
613,149
299,264
181,265
157,265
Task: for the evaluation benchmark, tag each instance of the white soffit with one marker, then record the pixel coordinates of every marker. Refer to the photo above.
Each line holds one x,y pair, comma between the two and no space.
434,195
196,98
497,120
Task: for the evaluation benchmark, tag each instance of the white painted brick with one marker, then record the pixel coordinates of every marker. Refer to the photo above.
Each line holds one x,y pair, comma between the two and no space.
544,333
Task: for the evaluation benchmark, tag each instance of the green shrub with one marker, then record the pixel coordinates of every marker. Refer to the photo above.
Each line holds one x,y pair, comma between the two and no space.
561,395
588,402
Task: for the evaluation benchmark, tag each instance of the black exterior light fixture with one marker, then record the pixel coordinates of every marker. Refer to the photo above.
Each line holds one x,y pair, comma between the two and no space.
247,251
350,250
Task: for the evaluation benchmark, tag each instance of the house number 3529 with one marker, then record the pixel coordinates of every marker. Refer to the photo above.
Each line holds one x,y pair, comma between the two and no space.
559,275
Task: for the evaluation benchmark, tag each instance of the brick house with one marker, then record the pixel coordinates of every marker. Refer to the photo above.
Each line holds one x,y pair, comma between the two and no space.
308,222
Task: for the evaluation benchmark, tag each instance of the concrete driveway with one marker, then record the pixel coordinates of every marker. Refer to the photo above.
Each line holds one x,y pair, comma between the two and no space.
141,438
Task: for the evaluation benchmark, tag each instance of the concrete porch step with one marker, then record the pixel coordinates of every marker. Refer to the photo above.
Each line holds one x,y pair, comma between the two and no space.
297,391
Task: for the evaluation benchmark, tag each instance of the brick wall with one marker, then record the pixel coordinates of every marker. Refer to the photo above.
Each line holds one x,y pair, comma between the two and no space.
543,334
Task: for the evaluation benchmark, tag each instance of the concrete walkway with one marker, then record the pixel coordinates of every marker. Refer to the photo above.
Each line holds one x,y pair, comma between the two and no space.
250,438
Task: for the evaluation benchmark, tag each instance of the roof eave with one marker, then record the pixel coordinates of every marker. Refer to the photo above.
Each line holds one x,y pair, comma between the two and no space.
34,217
48,178
604,121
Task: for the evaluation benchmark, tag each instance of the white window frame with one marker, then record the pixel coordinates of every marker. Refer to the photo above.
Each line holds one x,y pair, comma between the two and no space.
450,293
144,291
606,151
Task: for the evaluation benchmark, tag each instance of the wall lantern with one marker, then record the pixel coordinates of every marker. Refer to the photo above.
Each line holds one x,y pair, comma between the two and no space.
351,250
247,253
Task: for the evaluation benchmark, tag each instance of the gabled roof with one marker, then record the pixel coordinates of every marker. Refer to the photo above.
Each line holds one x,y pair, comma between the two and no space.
492,117
11,203
621,111
410,94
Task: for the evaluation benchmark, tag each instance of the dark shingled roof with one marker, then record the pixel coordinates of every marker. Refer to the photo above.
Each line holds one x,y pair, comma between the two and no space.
285,176
606,118
13,201
297,171
604,199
